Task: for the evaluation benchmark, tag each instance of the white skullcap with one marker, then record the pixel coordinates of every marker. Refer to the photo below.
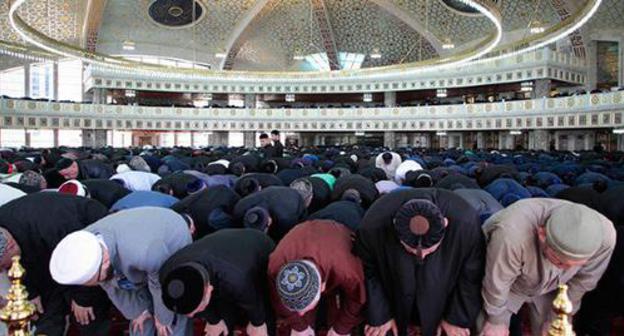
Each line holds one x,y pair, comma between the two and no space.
76,259
74,187
224,163
122,168
354,158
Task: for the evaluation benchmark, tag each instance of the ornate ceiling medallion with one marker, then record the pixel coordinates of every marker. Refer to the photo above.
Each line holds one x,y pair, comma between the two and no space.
176,13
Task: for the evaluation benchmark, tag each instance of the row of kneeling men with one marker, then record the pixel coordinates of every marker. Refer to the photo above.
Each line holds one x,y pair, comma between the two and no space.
420,257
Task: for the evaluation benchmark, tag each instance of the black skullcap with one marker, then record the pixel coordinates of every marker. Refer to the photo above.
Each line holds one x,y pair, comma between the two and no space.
387,157
415,233
183,288
195,186
63,163
352,195
238,168
257,218
248,186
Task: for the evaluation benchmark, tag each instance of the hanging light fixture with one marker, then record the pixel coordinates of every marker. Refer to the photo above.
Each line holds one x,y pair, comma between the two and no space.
130,93
526,86
536,27
448,44
128,45
441,93
290,98
376,54
368,97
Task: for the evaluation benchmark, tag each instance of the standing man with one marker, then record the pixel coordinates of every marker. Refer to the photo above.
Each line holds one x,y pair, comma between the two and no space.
30,227
278,148
266,148
314,261
217,280
123,253
423,252
533,246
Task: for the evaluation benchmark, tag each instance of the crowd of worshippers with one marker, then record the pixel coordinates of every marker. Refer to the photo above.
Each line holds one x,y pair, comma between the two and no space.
335,241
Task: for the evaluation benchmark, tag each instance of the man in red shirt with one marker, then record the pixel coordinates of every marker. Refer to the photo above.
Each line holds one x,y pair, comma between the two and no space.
314,261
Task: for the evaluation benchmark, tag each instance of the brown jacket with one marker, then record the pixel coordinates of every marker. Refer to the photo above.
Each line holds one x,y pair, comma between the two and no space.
518,272
328,245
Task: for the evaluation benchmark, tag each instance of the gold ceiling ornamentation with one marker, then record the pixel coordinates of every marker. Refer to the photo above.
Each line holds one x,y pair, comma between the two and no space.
486,7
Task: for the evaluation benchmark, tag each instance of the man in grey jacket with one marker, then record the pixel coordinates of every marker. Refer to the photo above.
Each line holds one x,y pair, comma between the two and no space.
533,246
123,253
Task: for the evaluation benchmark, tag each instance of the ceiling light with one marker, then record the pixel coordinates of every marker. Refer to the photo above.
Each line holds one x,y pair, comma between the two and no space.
128,45
220,55
448,44
298,57
618,131
130,93
290,98
368,97
515,132
526,86
441,93
376,54
441,133
536,28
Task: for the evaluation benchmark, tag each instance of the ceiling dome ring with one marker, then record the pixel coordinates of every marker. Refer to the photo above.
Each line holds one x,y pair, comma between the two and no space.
462,8
39,39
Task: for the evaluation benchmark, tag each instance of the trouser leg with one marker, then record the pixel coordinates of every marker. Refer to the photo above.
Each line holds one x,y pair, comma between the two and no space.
52,322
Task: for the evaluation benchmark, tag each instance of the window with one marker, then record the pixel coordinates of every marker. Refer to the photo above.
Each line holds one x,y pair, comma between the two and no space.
236,139
12,82
350,61
70,80
13,138
41,80
167,139
121,139
41,138
318,61
184,139
70,138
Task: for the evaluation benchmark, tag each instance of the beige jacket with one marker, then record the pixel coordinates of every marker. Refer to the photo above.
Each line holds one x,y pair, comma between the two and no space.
516,269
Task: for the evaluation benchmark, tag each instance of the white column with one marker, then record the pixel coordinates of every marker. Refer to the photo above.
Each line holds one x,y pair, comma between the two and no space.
480,140
249,139
390,99
592,66
250,100
390,139
538,140
27,79
541,88
55,81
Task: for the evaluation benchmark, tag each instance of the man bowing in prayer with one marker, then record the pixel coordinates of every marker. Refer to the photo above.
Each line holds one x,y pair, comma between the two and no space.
314,261
30,227
214,278
422,251
123,253
533,246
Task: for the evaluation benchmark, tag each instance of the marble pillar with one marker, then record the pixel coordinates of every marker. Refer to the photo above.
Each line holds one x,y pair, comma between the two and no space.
94,138
481,140
249,139
389,99
250,100
390,139
539,140
541,88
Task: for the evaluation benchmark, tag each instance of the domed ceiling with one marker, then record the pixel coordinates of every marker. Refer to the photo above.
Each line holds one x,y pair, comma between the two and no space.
294,35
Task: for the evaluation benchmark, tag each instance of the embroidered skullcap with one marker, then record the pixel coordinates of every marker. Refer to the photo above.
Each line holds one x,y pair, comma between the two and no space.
298,285
419,224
